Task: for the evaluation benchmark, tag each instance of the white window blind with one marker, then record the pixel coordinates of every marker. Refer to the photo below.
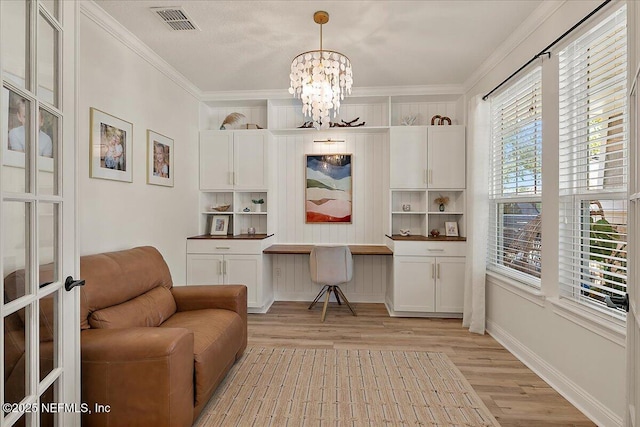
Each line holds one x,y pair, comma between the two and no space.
516,179
593,165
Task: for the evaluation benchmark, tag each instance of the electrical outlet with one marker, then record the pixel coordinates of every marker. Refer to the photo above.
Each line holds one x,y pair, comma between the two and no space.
277,271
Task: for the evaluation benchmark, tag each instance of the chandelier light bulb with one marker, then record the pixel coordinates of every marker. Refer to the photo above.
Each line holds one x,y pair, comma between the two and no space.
320,79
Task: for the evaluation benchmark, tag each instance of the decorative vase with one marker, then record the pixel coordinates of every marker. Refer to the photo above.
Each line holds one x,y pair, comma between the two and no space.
441,207
258,207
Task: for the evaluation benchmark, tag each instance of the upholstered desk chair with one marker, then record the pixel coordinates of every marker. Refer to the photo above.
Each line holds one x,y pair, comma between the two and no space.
331,266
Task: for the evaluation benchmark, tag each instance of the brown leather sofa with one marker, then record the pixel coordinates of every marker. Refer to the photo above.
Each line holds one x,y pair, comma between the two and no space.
153,352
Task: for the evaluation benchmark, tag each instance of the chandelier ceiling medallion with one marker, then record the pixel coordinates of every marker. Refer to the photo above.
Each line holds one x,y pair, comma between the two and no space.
321,78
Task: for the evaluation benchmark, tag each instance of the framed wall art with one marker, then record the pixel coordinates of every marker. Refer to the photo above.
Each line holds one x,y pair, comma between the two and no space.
111,147
328,195
159,159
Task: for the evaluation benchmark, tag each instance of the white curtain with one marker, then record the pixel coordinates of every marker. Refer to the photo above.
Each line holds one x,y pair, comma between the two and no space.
478,155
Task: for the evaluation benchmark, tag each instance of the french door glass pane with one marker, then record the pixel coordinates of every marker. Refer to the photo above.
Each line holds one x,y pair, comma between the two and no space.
48,333
16,114
15,238
47,61
14,44
15,357
48,243
51,6
47,152
49,400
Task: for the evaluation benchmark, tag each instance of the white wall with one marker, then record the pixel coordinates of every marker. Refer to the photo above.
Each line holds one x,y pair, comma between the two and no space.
117,215
587,367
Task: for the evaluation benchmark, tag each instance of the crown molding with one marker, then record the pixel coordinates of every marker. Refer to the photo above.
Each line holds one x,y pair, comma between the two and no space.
244,95
94,12
524,31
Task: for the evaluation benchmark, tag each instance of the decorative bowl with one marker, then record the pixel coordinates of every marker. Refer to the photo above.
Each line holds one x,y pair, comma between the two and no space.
222,208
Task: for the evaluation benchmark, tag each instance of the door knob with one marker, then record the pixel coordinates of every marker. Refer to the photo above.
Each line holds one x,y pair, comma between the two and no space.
70,283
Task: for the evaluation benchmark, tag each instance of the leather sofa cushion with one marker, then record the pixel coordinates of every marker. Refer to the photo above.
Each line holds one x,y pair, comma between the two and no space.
149,309
116,277
217,336
15,286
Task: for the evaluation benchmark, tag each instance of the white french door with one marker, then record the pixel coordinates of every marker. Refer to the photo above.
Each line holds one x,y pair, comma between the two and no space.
40,324
632,415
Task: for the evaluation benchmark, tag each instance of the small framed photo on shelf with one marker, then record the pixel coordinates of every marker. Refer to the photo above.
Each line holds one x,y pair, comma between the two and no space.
219,225
451,229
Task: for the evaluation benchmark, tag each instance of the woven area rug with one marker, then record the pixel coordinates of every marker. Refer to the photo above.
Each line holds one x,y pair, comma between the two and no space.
320,387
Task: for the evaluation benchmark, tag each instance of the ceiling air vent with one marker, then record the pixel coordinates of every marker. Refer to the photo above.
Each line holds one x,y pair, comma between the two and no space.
175,17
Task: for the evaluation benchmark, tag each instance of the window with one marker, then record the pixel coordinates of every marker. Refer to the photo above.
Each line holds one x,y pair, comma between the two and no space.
516,180
593,166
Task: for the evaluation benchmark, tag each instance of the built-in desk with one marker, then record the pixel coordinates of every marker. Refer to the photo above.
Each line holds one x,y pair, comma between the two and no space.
306,249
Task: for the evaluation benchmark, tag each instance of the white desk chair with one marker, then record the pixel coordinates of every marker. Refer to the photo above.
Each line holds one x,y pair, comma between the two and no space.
331,266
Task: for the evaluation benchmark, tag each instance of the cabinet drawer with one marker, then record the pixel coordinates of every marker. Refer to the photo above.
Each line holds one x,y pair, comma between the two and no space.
221,246
430,248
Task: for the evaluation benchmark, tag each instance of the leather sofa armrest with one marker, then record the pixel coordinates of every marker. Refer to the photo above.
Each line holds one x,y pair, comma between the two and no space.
227,297
145,375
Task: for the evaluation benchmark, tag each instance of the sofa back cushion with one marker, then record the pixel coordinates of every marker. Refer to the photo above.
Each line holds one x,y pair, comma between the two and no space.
15,286
116,277
149,309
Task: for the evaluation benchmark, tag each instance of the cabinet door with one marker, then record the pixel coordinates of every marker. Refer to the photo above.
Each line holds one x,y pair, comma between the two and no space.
413,283
450,284
447,157
250,160
216,160
408,156
245,270
204,269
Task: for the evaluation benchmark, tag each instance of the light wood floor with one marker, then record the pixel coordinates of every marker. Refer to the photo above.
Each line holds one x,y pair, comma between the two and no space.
512,392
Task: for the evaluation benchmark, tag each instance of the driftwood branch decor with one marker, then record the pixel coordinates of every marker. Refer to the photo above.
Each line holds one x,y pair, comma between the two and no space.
342,124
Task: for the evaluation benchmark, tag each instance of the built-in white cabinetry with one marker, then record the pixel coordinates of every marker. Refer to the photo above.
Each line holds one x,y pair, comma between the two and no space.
234,172
234,160
242,212
427,180
428,278
446,157
424,157
408,157
230,261
427,163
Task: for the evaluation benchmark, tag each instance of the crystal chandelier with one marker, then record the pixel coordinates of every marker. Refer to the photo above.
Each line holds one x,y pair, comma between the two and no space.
320,79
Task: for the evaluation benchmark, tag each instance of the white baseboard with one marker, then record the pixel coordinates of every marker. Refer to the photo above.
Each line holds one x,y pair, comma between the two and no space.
586,403
260,310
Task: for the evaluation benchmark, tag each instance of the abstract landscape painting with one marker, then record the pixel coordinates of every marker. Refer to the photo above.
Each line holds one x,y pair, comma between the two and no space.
328,197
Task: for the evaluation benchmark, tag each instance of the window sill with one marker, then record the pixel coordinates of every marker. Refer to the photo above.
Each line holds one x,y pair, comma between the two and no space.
527,292
612,329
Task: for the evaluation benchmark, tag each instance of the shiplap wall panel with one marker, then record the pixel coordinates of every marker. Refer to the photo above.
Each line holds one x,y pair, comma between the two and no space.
370,178
369,170
292,281
424,111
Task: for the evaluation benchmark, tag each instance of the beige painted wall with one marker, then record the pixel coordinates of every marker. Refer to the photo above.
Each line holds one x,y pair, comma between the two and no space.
117,215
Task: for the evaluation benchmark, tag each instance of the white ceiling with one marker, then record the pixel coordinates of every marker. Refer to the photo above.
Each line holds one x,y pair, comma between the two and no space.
249,45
